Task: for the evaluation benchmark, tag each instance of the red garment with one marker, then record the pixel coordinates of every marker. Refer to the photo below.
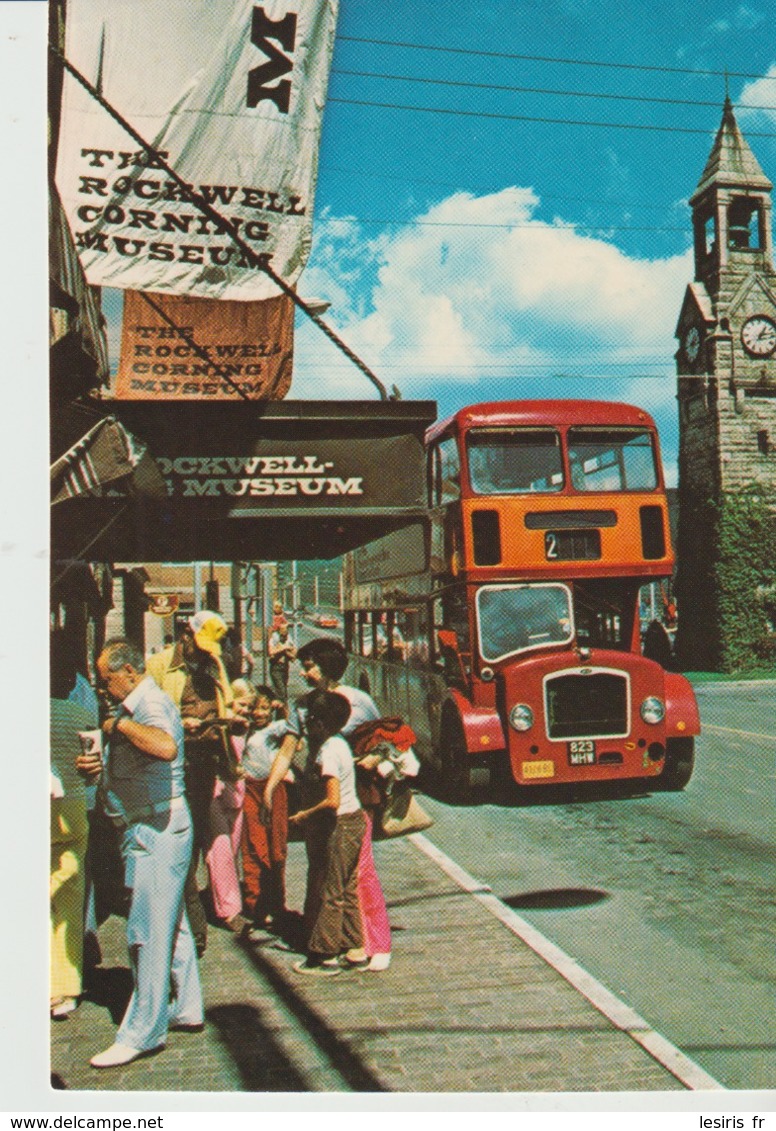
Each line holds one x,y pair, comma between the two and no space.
264,852
394,731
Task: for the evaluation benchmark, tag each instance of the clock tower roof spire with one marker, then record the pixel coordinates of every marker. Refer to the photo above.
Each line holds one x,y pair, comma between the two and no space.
731,162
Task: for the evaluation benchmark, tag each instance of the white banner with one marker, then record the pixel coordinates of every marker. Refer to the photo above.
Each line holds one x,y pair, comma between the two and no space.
232,94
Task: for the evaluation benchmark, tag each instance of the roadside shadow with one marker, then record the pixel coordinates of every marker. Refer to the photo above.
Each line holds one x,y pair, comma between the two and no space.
342,1057
515,796
111,988
504,791
261,1062
555,899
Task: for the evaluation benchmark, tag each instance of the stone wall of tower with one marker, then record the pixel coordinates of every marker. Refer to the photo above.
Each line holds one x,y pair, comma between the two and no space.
747,444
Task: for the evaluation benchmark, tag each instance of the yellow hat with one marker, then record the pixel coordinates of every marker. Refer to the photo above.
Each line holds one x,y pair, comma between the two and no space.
208,629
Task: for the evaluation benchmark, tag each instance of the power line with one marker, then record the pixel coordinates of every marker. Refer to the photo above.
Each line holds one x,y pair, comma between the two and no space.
653,68
325,167
480,115
527,369
541,90
534,224
549,371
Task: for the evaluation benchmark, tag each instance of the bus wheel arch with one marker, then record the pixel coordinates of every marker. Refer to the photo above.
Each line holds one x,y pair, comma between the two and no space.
679,763
461,775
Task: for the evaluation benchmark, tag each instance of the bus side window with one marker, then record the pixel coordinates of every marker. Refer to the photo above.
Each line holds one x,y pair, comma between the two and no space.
437,622
449,471
433,476
363,641
350,634
452,665
411,635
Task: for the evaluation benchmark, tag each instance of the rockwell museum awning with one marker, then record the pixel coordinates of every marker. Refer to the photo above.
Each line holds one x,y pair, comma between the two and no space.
270,480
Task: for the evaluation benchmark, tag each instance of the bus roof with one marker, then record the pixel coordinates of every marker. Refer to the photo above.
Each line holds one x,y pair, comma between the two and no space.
537,413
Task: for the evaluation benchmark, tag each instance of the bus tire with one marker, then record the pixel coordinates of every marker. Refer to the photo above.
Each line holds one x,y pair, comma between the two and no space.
460,779
679,763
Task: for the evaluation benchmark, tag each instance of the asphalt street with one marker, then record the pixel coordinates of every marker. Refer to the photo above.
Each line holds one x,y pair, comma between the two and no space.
666,898
669,899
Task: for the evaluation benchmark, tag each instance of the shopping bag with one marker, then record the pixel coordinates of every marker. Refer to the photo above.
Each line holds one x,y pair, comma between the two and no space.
401,814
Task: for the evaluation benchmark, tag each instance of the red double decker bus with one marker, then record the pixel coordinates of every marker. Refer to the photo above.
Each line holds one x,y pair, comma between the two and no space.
505,627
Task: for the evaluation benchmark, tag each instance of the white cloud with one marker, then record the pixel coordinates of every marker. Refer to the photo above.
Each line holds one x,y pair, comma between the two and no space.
758,94
479,300
743,18
478,287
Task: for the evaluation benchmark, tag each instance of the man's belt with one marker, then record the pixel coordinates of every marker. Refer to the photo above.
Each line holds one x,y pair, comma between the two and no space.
144,812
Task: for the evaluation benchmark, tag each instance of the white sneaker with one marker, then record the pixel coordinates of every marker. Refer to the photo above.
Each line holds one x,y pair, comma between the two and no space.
325,969
114,1056
61,1008
380,961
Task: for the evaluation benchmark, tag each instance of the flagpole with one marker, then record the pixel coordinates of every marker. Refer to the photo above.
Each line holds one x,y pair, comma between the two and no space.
224,225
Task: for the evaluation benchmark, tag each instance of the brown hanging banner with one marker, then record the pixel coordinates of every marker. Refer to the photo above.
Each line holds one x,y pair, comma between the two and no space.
183,348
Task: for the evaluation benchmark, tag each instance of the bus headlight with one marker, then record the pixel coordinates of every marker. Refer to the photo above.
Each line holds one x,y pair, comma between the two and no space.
521,717
653,710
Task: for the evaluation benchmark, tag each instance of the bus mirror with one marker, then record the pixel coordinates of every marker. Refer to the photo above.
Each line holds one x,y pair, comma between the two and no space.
447,638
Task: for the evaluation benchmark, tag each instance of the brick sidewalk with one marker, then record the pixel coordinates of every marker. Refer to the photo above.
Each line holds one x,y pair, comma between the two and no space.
465,1006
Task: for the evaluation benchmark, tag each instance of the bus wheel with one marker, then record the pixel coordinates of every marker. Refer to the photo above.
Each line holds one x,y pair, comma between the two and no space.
680,760
460,779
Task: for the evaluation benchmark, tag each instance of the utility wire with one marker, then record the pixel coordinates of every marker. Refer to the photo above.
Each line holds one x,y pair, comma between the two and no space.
540,90
481,114
554,59
534,224
381,176
222,223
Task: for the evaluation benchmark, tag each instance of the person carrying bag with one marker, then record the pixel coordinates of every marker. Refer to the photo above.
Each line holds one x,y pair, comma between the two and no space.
385,759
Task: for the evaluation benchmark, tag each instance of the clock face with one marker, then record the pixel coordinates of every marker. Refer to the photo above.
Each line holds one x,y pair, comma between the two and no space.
692,343
758,335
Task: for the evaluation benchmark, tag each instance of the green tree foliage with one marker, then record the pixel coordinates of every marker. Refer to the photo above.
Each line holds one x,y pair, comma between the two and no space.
744,571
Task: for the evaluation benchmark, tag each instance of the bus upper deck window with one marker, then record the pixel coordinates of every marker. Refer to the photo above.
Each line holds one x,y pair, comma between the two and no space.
612,459
514,461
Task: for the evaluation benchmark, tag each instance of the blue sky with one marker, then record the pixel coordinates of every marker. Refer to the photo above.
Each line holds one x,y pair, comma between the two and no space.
502,198
476,254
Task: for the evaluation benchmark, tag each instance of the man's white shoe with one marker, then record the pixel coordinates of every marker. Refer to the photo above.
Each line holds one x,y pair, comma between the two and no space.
380,961
115,1056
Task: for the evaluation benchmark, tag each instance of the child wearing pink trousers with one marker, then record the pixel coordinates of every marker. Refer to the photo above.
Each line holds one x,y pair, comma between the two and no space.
226,822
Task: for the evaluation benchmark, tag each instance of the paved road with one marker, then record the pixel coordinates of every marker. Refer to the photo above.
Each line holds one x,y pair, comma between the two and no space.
668,899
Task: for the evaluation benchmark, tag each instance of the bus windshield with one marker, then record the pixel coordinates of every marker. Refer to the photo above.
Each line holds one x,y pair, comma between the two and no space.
612,459
514,618
514,461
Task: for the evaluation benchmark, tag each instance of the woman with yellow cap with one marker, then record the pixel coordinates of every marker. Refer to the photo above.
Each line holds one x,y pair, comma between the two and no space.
193,675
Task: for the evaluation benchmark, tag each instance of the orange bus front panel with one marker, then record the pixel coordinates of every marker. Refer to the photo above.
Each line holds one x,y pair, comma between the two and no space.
530,537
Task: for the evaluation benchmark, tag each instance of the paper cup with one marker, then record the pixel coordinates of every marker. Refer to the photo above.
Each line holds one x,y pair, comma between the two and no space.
91,741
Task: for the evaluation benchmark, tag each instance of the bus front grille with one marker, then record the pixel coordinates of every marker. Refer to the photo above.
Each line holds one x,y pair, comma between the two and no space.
587,705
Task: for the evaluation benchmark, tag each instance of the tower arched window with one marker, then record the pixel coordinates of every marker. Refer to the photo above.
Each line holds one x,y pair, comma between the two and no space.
744,223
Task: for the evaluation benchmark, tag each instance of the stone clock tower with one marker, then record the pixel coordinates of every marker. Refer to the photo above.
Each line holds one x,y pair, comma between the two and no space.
726,365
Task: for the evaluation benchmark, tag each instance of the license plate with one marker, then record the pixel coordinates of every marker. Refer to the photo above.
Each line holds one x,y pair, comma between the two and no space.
582,752
533,770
